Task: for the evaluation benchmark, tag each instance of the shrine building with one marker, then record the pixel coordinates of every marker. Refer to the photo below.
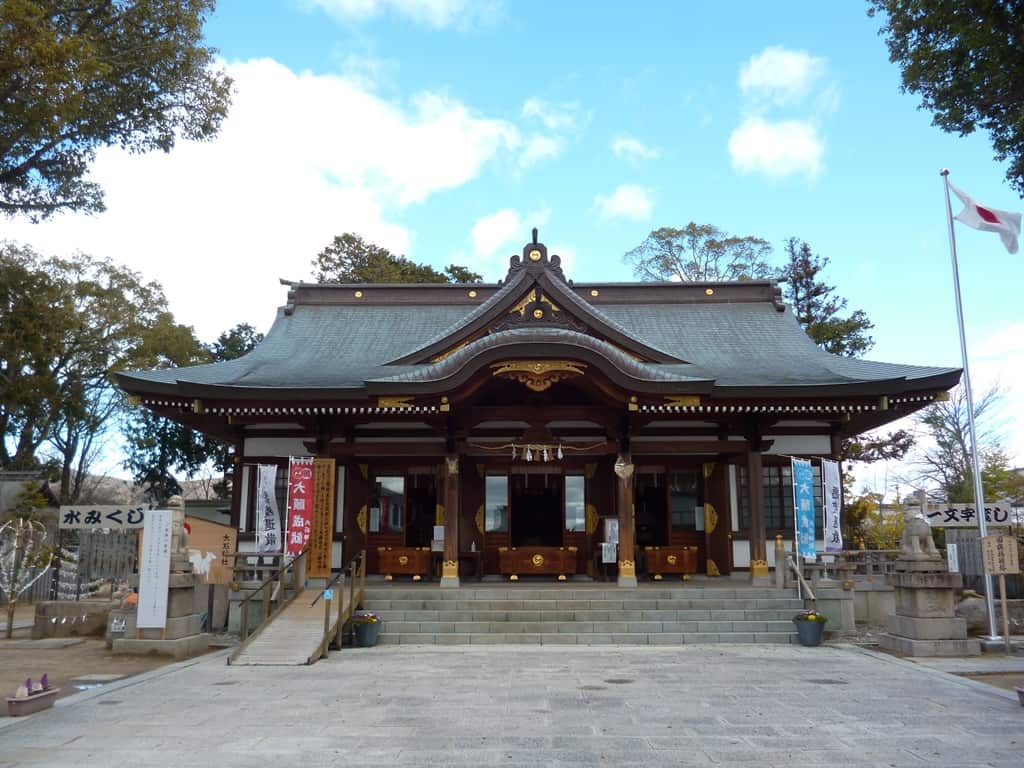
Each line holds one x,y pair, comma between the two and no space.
538,419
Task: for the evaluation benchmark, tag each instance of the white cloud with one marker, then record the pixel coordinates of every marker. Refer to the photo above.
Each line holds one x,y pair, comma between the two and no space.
435,13
493,231
300,159
496,236
783,148
780,76
568,256
539,148
633,149
628,201
554,117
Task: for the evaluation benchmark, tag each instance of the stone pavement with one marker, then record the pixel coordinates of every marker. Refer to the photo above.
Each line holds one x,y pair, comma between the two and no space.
535,706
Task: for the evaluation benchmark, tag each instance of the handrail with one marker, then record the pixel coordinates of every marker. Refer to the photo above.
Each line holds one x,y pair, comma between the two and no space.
346,608
800,578
279,595
327,586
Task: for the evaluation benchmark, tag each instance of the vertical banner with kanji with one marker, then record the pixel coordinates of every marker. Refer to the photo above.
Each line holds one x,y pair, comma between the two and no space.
268,528
833,493
154,570
300,503
803,507
318,564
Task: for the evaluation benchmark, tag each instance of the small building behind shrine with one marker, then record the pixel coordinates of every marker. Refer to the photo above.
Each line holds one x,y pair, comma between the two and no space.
519,428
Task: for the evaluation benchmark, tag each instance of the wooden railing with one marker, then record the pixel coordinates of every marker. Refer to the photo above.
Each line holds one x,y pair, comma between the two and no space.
346,603
273,589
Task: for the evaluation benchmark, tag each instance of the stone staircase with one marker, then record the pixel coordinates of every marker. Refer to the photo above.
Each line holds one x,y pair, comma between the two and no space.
545,613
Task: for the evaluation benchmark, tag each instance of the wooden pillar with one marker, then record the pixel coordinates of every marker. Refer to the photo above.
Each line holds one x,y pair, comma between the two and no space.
755,497
450,564
624,498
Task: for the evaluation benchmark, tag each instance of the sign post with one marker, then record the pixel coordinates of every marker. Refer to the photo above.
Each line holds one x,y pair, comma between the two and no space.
1000,553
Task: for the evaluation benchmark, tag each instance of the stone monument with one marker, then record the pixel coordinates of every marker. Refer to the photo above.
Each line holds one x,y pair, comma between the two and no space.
182,635
925,623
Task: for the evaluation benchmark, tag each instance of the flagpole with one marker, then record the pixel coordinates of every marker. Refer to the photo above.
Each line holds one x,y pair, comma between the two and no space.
979,497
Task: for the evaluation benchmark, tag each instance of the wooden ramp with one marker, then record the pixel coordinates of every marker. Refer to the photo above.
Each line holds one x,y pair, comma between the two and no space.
293,637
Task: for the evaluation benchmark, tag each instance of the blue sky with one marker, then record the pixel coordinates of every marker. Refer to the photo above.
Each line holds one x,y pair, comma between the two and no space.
445,129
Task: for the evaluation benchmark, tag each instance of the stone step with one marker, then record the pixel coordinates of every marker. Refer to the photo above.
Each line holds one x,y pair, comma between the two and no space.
391,615
568,593
585,605
578,627
585,638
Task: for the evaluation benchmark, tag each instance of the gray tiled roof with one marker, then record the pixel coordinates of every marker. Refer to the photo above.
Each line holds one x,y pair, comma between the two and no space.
343,346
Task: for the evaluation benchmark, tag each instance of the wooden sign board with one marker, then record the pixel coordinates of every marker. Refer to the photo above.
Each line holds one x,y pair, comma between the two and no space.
1000,553
318,564
93,517
211,548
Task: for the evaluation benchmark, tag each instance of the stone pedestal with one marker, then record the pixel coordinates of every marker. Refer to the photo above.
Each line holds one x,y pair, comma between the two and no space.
186,601
925,623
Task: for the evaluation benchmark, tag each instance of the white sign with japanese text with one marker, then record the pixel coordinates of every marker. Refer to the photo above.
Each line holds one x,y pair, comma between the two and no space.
268,528
154,570
833,496
966,516
118,517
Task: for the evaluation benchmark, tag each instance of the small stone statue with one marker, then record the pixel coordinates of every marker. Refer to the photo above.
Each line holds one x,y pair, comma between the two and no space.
916,542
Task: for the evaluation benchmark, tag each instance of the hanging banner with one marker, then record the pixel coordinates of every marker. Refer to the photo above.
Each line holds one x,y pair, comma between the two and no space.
154,570
268,528
318,564
803,507
833,493
300,503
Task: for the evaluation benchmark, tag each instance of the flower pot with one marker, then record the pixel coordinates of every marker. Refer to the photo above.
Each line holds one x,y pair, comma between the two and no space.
367,634
33,703
809,633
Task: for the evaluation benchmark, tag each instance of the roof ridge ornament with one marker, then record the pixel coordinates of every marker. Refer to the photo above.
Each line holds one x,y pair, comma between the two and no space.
535,260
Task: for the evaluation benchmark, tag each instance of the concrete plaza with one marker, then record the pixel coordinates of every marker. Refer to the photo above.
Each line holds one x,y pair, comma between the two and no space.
536,706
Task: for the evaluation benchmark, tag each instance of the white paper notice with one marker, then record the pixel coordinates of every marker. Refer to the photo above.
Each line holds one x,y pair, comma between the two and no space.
154,570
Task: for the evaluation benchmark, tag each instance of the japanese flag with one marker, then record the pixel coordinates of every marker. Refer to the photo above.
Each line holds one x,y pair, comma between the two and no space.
989,220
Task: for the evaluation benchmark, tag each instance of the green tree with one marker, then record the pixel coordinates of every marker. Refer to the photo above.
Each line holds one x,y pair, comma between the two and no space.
816,305
77,76
699,252
966,61
159,450
350,259
66,325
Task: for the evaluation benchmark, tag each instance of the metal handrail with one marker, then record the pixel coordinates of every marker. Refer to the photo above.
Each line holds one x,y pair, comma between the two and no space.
800,578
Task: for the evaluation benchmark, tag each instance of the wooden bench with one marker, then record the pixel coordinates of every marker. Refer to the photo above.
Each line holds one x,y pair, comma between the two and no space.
681,560
550,561
404,561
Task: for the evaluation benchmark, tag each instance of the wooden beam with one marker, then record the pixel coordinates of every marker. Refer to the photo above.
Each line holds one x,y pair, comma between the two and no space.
642,447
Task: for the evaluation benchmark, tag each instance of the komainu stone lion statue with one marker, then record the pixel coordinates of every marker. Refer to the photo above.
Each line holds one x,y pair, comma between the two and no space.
916,542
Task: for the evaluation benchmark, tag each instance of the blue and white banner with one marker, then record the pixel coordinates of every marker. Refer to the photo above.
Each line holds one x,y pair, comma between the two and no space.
833,498
803,507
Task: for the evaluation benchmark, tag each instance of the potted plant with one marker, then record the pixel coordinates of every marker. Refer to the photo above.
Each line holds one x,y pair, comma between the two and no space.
367,628
810,627
31,697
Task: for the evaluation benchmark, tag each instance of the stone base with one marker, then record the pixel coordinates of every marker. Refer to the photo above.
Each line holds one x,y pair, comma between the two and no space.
908,647
914,628
449,582
182,648
68,618
627,581
761,581
998,644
